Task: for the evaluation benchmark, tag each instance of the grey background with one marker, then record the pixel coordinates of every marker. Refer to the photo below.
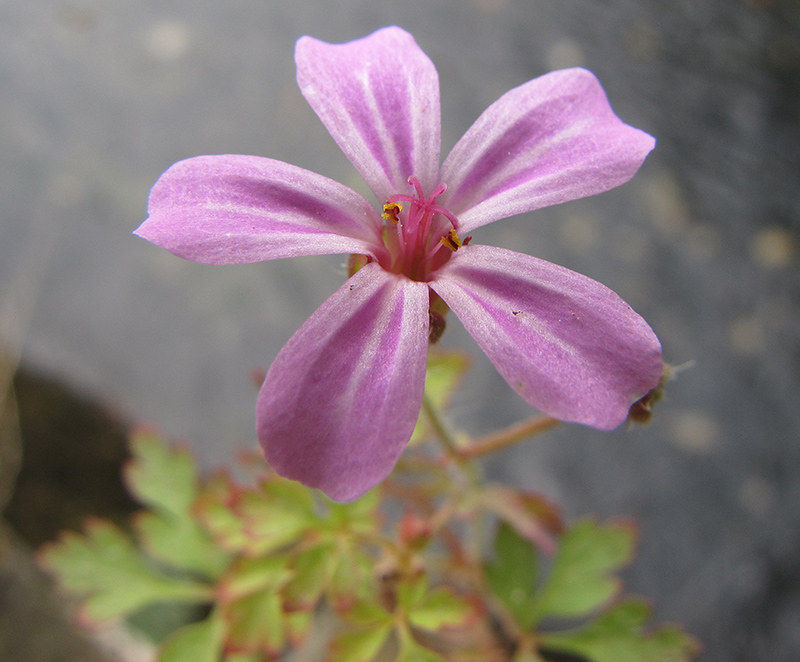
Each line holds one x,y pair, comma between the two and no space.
98,97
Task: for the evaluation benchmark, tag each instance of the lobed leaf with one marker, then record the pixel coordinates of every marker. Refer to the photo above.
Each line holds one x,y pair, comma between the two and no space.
161,477
359,645
197,642
441,608
619,636
252,575
255,624
181,542
113,576
165,479
215,509
276,514
512,574
581,579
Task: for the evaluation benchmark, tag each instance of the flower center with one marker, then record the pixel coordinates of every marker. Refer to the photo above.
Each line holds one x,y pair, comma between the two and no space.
418,232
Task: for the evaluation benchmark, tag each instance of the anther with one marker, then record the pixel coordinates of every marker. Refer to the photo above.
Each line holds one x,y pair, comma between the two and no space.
390,211
452,241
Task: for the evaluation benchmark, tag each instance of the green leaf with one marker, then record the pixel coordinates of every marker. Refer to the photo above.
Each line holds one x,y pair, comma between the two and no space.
161,477
311,571
251,575
165,479
198,642
351,578
359,645
512,574
581,578
181,542
357,516
411,651
276,514
440,608
215,510
411,591
255,624
618,636
112,575
445,370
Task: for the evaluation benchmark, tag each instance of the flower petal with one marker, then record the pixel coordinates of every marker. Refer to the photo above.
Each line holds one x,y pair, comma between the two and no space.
550,140
341,400
234,209
379,98
567,344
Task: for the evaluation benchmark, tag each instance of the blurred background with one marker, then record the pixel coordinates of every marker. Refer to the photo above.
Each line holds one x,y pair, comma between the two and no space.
102,330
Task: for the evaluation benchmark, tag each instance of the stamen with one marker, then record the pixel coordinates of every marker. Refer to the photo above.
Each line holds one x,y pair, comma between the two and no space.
420,235
391,210
452,241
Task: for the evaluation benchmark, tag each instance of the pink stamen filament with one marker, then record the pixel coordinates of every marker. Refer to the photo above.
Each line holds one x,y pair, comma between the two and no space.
413,234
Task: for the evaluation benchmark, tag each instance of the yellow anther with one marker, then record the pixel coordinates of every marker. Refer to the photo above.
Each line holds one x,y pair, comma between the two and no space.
390,211
452,241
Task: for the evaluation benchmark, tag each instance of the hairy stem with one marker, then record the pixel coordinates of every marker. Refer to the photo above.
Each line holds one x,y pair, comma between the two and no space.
506,437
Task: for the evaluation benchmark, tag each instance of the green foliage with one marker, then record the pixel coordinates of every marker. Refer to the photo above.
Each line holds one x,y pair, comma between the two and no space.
581,575
360,645
512,574
268,558
619,636
581,579
111,574
196,642
166,481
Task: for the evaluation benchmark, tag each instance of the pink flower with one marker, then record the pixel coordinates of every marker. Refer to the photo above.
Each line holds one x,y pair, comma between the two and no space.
339,403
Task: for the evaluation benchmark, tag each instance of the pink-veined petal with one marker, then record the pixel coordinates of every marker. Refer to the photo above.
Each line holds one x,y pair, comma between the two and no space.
567,344
341,400
548,141
379,98
233,209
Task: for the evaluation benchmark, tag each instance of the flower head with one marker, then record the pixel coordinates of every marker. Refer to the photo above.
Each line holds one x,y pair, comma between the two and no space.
341,399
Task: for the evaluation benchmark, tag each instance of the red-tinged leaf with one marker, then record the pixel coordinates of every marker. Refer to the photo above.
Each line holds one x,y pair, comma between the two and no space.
351,579
255,624
197,642
619,635
298,626
251,575
581,578
111,575
359,645
275,514
215,509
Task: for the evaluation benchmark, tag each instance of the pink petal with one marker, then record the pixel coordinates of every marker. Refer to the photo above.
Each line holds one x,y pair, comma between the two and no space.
550,140
235,209
379,98
341,400
567,344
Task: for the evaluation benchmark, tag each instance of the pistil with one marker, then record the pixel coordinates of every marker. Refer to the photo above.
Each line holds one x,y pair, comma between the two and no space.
420,233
